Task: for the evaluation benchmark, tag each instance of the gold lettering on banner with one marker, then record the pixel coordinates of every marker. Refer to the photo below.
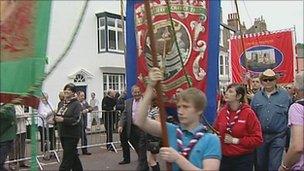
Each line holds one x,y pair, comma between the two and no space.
174,8
260,42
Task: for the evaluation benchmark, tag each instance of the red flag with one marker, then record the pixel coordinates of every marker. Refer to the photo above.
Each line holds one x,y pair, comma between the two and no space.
274,50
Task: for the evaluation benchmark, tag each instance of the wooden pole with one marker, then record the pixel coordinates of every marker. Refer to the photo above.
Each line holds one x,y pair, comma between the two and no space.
243,47
159,95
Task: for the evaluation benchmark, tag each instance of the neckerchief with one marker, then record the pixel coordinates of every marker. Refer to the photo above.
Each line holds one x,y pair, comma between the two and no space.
185,151
230,124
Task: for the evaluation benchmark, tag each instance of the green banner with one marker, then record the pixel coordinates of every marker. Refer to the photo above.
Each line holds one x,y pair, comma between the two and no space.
24,32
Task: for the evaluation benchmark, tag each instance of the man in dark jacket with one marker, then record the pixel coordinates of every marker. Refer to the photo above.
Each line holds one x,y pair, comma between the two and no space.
130,132
68,118
108,104
85,109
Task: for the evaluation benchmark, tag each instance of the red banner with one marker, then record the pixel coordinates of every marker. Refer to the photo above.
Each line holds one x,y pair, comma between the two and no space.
191,27
274,50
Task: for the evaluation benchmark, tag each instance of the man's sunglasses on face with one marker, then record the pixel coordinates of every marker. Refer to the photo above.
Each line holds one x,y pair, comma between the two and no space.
268,79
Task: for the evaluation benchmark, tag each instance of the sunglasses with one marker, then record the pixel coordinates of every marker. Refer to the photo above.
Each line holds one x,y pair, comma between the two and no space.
268,79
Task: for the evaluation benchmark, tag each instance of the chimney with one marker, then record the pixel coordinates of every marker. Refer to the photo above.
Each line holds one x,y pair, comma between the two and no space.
233,21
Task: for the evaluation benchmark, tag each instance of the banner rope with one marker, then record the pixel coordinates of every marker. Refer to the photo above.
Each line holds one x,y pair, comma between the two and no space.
176,43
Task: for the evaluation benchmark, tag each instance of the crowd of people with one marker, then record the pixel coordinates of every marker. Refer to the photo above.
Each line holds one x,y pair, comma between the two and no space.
252,128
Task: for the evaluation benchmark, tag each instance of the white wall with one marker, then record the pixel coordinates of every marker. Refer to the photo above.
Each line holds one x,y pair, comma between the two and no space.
83,53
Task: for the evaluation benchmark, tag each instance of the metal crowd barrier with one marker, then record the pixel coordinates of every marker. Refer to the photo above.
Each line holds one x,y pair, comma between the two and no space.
46,139
102,134
22,144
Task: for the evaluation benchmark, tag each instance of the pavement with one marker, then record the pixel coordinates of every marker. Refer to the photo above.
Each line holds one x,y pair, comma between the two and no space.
101,158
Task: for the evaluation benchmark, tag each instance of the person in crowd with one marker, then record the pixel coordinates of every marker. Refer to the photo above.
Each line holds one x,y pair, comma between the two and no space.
291,91
271,106
256,84
94,103
45,110
61,99
117,95
18,151
130,132
108,104
171,109
68,119
85,109
8,130
191,147
239,130
294,158
120,105
255,87
153,143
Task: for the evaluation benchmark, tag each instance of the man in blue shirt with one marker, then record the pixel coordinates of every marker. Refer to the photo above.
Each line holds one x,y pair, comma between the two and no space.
191,148
271,106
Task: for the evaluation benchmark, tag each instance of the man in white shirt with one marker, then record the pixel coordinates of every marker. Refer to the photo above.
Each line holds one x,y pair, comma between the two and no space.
45,110
94,103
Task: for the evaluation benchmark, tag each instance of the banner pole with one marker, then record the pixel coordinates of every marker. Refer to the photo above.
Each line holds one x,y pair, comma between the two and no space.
160,101
246,81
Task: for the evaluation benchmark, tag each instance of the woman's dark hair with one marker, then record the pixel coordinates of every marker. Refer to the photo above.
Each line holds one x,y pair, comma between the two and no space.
70,86
239,89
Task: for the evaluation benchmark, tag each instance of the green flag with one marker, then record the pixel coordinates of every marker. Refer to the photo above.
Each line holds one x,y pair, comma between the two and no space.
24,30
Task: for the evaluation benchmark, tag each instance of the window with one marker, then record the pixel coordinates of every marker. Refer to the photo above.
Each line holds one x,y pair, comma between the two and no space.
226,65
115,34
110,33
79,78
221,36
113,81
221,65
101,34
112,40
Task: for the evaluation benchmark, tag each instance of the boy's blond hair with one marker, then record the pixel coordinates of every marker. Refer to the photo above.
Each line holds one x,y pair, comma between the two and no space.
195,96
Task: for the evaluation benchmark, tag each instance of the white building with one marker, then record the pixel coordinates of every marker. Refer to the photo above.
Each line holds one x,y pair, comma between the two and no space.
95,62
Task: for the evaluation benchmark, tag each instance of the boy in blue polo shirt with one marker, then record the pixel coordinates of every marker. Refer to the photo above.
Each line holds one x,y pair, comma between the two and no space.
191,147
